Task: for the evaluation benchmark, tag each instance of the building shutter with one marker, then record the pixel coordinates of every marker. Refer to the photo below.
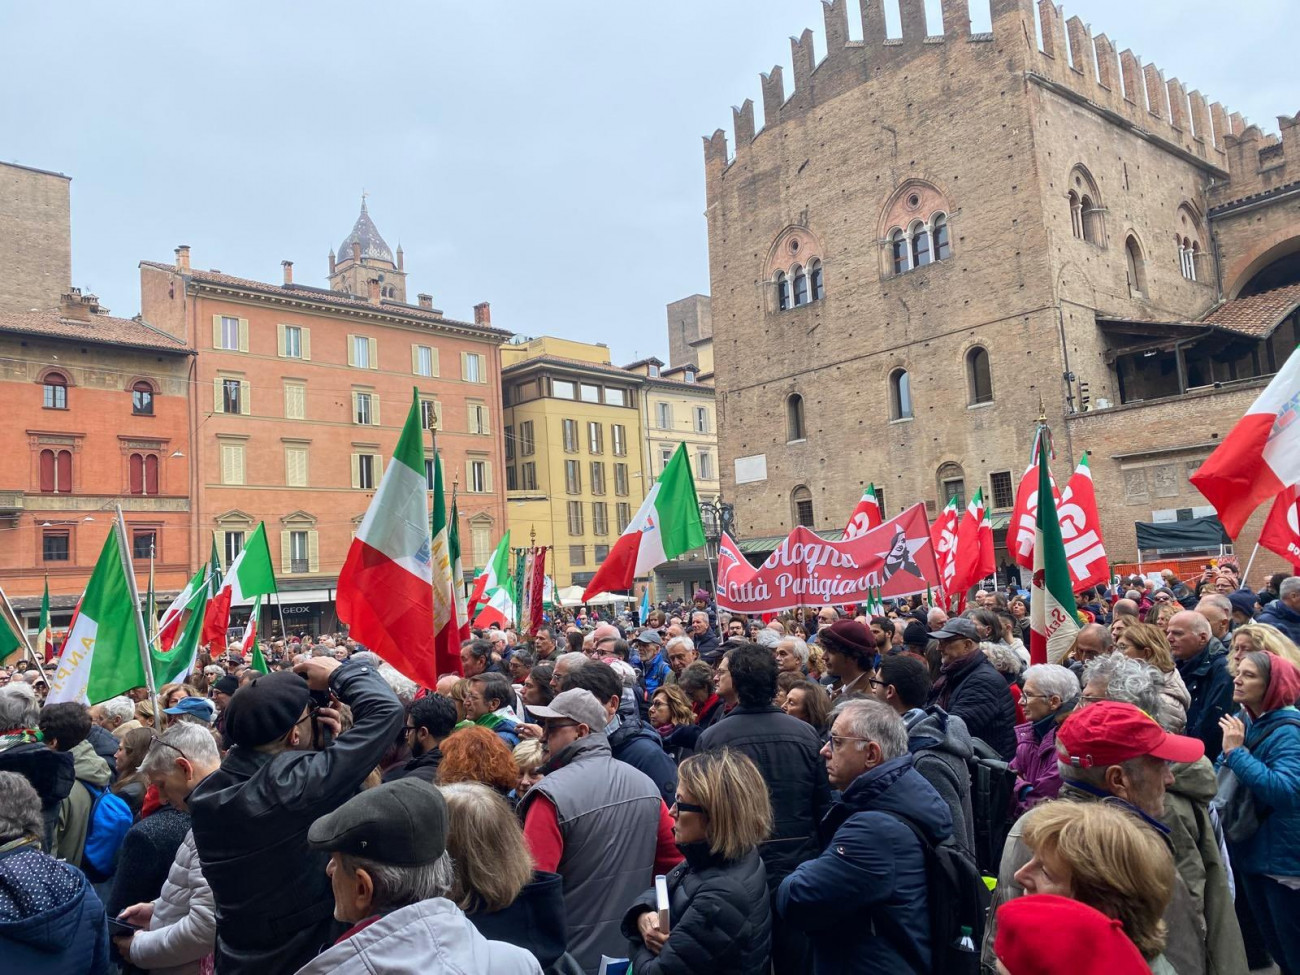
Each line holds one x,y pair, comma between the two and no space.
415,360
226,464
217,403
216,331
219,537
136,483
313,551
355,407
245,397
306,342
374,353
356,471
243,335
286,552
279,341
352,350
487,476
374,408
238,452
433,359
378,468
464,365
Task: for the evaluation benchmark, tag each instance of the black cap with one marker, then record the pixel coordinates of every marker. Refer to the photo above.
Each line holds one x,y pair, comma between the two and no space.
916,635
401,823
266,708
227,685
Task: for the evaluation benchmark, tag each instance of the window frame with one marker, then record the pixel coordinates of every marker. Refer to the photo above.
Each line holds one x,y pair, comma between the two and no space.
973,392
796,422
142,395
54,391
900,395
49,535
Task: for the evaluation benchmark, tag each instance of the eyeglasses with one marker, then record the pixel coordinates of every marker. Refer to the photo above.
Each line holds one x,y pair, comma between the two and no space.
875,683
165,744
837,741
1037,697
682,807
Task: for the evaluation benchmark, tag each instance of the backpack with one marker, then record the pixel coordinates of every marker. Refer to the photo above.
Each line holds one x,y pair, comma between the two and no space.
110,818
991,786
959,903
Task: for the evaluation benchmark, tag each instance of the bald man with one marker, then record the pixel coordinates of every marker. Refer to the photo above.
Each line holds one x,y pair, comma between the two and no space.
1205,672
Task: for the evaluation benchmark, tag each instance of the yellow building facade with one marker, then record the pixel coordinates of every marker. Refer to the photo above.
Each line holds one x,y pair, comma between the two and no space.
575,455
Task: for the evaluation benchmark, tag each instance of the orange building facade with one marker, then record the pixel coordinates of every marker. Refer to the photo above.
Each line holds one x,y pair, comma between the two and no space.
299,397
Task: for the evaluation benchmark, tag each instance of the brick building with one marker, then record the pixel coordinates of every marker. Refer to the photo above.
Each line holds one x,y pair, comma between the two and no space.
96,414
300,394
933,233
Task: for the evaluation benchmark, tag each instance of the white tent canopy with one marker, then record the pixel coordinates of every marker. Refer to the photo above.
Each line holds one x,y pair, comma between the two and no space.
572,596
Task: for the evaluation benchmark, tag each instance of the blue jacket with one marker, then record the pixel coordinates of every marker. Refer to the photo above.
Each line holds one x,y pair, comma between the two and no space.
655,672
1286,619
863,901
640,746
1210,685
1272,773
51,921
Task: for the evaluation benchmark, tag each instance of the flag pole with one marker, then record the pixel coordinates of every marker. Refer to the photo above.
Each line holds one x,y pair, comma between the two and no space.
1253,553
22,635
143,637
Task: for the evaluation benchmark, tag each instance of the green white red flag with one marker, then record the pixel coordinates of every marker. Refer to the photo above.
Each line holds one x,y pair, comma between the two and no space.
250,574
457,576
101,655
44,636
866,516
493,599
248,644
666,525
446,627
384,592
1052,618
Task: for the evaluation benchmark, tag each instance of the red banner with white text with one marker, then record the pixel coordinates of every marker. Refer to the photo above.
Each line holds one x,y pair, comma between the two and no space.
894,559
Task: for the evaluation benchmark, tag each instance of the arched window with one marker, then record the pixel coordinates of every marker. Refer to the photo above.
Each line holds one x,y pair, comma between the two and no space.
56,391
1076,215
142,399
56,471
800,286
802,507
816,278
900,395
1135,266
1085,207
782,291
144,474
942,249
794,425
898,241
1086,220
978,377
920,245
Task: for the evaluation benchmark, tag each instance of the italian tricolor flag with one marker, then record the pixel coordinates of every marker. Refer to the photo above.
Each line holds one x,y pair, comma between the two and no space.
666,525
1051,609
248,645
385,592
494,589
250,574
101,655
866,515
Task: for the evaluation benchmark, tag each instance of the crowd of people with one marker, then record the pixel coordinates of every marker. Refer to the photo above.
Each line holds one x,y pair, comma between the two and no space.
820,792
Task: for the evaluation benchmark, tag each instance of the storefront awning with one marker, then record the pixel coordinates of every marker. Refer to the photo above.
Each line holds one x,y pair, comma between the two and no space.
301,596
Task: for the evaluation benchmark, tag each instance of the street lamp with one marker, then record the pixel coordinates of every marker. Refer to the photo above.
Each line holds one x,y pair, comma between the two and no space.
717,517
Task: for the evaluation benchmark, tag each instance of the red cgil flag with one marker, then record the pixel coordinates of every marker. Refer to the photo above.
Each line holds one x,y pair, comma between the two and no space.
943,537
975,557
536,589
1281,531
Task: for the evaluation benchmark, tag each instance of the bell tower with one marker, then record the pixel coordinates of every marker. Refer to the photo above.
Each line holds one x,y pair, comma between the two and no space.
365,256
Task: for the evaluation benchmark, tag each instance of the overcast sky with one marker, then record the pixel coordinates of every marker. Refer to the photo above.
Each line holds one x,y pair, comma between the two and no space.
543,156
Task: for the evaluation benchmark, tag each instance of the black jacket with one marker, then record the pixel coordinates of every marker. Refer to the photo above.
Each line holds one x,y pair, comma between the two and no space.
535,921
425,767
641,747
719,917
785,750
1210,685
706,645
978,694
274,905
50,773
680,742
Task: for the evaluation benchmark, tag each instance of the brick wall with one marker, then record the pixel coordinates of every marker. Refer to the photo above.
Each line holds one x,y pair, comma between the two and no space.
35,239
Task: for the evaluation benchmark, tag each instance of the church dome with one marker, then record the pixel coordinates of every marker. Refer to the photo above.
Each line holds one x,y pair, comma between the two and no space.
365,233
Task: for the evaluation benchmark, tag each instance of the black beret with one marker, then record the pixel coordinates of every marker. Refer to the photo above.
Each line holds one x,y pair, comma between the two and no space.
401,824
266,708
227,685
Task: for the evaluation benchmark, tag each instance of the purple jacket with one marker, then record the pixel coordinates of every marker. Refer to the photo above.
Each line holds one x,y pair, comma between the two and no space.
1037,778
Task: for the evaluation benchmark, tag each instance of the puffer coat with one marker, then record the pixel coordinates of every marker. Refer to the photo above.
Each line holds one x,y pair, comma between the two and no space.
183,930
1269,765
719,917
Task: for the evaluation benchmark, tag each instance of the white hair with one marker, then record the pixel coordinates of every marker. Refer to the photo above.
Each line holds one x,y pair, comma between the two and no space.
400,886
121,707
798,647
191,740
872,720
1289,586
679,641
19,707
767,638
402,685
1055,680
625,671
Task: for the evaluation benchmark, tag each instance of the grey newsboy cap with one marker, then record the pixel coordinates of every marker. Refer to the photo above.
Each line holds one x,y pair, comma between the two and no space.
649,636
958,627
402,824
576,704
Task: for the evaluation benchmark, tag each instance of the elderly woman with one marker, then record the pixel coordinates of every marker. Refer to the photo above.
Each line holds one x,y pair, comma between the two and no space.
1261,747
1106,858
1009,664
529,756
810,703
496,885
1144,641
1263,638
672,717
791,655
477,754
1051,692
719,918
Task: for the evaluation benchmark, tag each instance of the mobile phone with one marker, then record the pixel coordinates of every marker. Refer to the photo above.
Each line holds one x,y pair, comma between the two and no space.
117,928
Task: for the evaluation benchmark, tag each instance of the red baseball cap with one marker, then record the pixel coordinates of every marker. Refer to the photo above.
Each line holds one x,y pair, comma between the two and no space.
1111,732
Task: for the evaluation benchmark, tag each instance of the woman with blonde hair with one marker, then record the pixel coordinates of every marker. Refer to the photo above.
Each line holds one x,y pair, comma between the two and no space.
529,758
719,914
1261,638
495,883
672,717
1145,641
1106,858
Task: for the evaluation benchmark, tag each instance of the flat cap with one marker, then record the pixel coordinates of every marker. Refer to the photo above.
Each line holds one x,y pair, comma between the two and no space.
957,627
266,708
402,823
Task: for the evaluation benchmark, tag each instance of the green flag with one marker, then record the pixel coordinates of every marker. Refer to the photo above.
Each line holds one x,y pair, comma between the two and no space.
170,665
101,656
44,634
9,641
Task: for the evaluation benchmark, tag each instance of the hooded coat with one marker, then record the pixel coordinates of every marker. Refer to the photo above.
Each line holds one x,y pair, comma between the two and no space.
863,902
1286,619
50,773
719,917
941,746
534,922
51,921
428,936
74,813
1210,686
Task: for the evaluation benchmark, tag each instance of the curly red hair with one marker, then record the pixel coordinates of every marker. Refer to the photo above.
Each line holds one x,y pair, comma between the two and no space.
476,754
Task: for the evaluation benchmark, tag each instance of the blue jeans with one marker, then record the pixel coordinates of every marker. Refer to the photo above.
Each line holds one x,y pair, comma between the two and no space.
1275,909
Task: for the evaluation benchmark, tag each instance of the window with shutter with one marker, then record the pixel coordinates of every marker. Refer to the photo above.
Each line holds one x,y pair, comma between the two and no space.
295,466
313,551
295,401
151,474
136,480
63,472
245,397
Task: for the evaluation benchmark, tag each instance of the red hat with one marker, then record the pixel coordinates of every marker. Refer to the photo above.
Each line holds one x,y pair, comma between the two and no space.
848,637
1111,732
1043,934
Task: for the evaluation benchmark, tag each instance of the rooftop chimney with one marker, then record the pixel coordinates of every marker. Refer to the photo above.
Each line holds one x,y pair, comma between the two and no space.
183,257
374,290
76,306
426,301
483,313
288,271
331,260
